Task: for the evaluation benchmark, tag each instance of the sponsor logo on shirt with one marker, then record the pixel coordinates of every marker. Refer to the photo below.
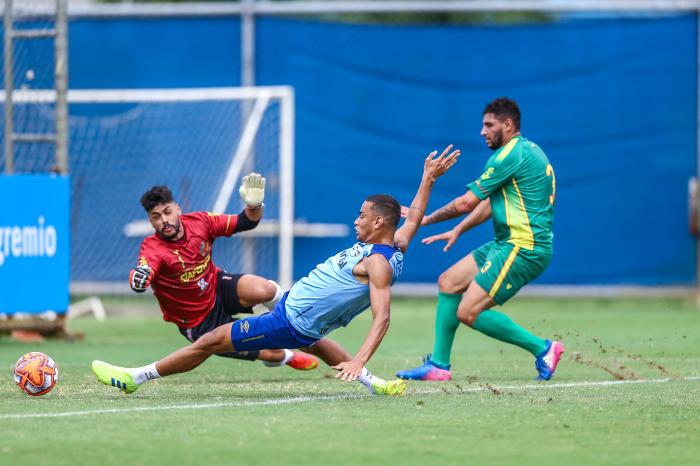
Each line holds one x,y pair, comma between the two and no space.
487,174
193,273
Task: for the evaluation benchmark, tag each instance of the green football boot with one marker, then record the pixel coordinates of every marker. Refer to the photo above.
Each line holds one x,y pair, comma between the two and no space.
390,387
114,376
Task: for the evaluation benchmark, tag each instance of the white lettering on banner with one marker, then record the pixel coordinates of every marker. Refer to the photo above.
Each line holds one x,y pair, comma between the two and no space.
28,240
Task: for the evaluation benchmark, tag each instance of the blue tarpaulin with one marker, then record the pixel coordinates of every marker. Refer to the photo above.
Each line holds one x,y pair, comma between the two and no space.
612,101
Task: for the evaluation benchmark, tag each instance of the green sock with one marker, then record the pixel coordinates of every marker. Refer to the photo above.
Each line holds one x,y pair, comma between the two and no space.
446,324
499,326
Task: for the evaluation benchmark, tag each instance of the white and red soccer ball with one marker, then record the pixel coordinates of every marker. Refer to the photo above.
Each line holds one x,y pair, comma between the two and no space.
36,373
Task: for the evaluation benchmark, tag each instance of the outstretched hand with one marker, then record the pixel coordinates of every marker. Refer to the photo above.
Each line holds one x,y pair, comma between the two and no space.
437,166
140,278
449,236
252,190
348,370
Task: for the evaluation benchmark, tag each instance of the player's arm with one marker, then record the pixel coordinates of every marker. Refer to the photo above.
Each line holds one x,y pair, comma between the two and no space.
499,170
479,215
432,169
380,275
457,207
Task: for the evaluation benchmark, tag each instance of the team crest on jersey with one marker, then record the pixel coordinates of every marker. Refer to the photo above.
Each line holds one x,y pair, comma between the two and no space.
355,251
203,284
203,248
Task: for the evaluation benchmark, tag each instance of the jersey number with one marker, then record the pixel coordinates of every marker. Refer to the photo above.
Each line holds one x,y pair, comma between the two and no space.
550,172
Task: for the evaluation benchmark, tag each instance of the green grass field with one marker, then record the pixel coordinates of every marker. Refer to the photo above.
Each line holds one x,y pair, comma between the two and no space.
626,392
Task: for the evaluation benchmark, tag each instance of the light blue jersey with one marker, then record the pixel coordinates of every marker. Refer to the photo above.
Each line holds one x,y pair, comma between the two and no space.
330,296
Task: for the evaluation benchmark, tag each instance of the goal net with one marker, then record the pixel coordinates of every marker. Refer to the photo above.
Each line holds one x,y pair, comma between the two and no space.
199,142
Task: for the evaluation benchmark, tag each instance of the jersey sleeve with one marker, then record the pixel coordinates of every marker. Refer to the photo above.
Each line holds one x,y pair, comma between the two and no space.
149,257
221,224
499,169
383,249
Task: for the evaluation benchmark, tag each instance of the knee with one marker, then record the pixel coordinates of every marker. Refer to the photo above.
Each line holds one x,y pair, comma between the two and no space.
467,315
445,283
210,342
267,290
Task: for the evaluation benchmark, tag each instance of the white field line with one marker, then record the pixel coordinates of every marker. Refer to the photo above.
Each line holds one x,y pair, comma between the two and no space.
229,404
346,396
543,385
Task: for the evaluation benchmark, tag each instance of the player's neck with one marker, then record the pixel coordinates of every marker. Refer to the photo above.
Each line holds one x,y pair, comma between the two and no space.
381,238
507,139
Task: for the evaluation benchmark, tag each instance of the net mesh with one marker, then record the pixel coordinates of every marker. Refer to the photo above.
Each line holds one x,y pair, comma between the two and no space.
118,150
32,69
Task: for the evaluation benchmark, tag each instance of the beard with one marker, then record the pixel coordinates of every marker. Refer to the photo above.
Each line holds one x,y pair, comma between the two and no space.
496,141
175,231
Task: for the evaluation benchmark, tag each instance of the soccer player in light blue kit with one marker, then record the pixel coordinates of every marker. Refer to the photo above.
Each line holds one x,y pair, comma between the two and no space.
334,293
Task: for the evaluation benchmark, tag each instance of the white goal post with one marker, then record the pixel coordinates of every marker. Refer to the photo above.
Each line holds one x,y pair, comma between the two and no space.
199,141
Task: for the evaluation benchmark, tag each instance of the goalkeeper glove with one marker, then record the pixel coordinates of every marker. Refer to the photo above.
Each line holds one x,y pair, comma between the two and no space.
252,190
140,278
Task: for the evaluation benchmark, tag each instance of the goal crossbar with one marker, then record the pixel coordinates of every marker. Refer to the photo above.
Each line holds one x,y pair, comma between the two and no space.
86,96
258,99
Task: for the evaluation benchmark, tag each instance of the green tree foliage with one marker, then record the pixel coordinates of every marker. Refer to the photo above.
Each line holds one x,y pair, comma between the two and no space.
406,18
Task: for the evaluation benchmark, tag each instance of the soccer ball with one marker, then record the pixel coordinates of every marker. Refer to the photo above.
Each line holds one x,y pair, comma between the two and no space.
36,373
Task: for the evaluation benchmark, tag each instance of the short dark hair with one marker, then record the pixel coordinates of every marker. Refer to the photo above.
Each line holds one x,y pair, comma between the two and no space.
504,108
386,206
155,196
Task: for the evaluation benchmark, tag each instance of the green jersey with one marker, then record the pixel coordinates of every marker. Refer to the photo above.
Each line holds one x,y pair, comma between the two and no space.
519,180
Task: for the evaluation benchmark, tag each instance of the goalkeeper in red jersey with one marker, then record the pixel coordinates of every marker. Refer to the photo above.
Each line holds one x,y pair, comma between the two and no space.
192,292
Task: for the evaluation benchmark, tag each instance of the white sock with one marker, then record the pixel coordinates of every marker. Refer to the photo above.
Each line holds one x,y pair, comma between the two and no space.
141,374
270,305
366,378
287,356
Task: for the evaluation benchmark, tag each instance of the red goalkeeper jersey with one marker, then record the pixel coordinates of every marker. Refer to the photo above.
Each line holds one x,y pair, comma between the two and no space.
185,277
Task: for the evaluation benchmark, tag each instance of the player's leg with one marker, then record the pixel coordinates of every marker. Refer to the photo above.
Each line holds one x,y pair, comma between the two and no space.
475,310
252,290
452,283
187,358
504,273
329,351
238,294
183,360
332,353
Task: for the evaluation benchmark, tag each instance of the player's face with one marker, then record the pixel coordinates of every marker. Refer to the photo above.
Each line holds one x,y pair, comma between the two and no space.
366,222
165,219
492,131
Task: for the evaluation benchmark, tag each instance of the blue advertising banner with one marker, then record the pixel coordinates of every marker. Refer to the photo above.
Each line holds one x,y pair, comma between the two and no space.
34,243
610,99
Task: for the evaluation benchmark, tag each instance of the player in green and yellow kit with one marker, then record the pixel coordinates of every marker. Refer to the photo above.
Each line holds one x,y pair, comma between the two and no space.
517,190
